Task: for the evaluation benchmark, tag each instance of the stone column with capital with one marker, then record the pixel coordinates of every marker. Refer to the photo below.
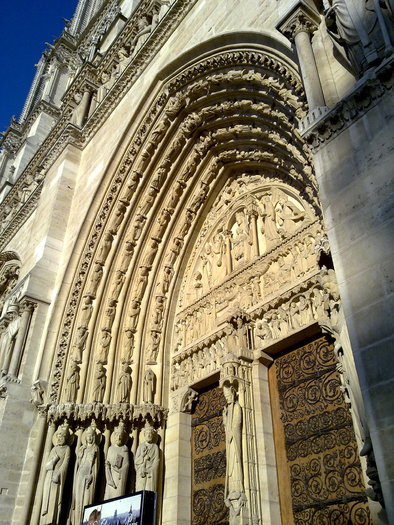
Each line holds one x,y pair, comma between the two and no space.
298,26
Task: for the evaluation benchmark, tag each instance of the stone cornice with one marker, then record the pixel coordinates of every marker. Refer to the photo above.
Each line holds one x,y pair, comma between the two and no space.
64,133
366,94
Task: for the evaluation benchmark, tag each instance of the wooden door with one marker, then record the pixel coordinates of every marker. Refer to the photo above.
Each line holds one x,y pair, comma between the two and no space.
208,460
319,471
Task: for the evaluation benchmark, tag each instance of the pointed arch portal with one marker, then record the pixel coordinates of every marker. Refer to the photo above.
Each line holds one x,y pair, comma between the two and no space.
200,266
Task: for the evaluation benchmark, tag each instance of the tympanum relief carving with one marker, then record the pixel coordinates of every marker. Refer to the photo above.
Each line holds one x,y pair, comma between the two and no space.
258,242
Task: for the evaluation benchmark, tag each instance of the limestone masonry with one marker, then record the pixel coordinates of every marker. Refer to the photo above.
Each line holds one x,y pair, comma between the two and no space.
196,266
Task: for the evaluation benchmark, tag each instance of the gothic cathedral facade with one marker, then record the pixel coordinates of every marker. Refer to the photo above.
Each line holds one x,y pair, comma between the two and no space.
196,276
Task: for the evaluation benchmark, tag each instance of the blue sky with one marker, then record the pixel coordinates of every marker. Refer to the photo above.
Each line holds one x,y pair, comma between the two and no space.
25,26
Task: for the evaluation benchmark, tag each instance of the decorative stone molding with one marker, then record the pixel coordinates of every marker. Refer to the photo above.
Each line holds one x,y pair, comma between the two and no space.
367,93
80,413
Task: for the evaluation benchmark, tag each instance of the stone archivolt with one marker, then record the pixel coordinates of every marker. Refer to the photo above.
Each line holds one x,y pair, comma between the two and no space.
212,210
183,153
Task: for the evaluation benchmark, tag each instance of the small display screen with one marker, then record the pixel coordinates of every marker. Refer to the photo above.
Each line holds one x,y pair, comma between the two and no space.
138,508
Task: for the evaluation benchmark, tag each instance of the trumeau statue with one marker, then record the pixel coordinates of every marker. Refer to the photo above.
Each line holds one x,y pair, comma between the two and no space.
86,471
147,461
232,419
56,470
117,464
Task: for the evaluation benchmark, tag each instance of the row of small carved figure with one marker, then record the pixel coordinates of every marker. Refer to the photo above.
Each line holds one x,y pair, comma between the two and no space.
100,383
301,311
117,465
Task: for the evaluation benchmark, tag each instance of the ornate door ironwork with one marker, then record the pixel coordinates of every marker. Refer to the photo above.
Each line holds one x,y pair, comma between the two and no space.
319,470
208,460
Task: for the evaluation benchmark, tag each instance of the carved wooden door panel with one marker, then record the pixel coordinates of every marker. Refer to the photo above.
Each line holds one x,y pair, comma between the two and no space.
319,471
208,460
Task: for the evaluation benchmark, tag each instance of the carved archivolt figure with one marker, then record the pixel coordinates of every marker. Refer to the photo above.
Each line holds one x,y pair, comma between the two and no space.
105,343
147,460
100,379
79,344
232,419
124,383
56,470
117,464
85,474
87,310
72,386
149,386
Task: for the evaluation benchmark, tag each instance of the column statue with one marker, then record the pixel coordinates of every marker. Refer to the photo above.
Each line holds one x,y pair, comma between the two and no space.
147,461
56,470
234,491
117,464
86,471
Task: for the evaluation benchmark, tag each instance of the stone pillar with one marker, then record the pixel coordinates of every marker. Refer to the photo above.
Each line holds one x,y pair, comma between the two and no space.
26,512
298,26
177,493
35,514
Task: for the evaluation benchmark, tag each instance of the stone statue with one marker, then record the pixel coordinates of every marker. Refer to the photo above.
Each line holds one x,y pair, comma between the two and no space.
55,475
269,230
117,464
72,386
149,386
86,470
144,29
79,344
105,343
288,217
147,461
95,278
37,393
100,380
345,25
124,383
105,247
87,310
232,420
134,313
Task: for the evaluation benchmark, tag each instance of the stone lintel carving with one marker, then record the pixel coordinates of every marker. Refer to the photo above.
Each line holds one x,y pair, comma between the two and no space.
302,18
80,413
